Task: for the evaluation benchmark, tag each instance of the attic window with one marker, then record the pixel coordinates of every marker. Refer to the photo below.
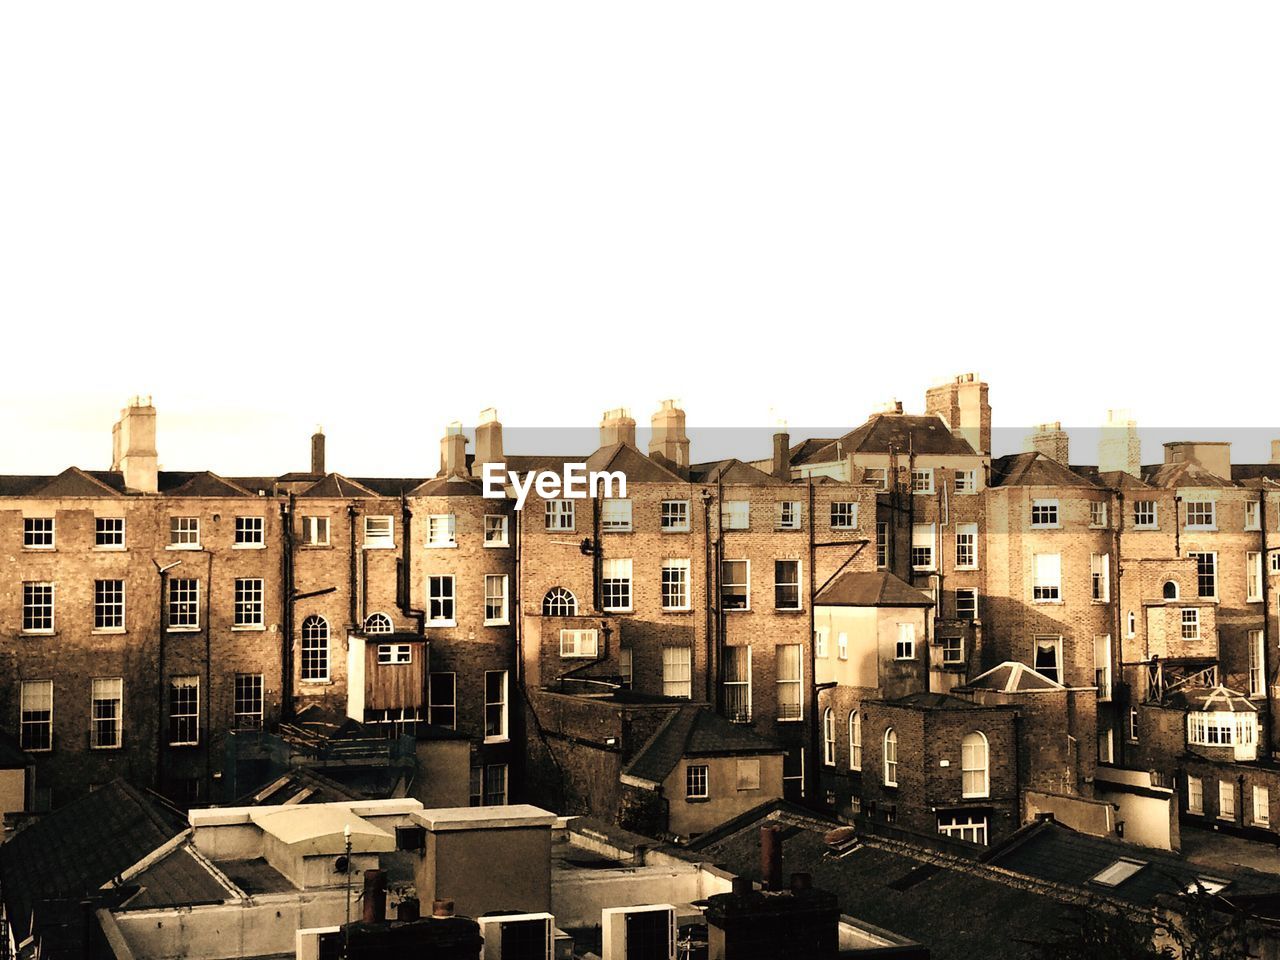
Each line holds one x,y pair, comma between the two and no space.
1170,590
1118,872
1209,885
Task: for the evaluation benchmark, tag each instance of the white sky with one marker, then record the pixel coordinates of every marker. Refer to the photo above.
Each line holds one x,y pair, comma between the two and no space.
382,217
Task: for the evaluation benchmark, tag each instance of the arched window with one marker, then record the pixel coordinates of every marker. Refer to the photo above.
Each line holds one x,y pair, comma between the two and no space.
855,740
559,602
377,623
1170,590
890,758
976,781
829,737
315,648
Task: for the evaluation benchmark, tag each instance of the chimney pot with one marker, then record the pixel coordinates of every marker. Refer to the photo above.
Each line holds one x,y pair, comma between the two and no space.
1275,451
668,441
317,451
408,909
453,451
488,441
771,857
616,426
375,896
442,908
782,455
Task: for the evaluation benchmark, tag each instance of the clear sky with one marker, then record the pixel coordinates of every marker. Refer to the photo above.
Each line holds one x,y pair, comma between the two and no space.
383,217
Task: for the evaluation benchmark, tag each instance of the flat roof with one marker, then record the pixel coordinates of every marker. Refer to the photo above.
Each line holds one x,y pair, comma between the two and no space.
485,818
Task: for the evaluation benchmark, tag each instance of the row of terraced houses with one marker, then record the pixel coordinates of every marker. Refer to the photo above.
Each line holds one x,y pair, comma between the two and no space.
890,624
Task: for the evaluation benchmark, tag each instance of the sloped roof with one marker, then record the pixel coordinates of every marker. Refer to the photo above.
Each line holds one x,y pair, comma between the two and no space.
448,487
1034,469
805,450
74,482
389,487
1255,471
178,879
923,700
927,435
692,731
1209,699
871,588
319,829
733,471
337,487
638,467
1186,473
203,484
1012,677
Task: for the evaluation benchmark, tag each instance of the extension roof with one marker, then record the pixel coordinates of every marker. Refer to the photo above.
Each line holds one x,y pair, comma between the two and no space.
202,484
1034,469
897,432
1012,677
733,471
1210,699
871,588
692,731
335,486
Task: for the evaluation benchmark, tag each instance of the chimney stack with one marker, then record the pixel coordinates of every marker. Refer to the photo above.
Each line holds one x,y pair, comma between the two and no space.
668,441
317,451
133,446
1275,451
375,896
1119,448
617,427
1214,456
1052,441
488,441
771,857
453,451
782,455
962,403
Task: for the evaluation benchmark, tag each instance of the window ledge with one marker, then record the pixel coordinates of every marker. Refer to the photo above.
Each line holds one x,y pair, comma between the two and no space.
697,799
249,628
442,623
496,546
618,609
497,739
248,546
497,623
186,743
107,747
38,633
675,530
441,546
317,683
788,609
194,547
737,609
181,629
315,546
677,609
379,546
789,720
107,631
98,548
32,549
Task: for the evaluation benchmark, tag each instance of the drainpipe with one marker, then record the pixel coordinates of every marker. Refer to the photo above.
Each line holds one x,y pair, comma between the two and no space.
708,561
286,640
1263,574
351,571
404,589
164,628
718,646
208,679
1117,647
811,769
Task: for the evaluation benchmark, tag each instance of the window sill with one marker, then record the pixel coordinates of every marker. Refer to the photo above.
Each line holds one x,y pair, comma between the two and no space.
315,546
442,623
248,546
959,568
790,720
844,529
677,609
317,683
107,748
107,631
497,739
558,530
788,609
378,546
697,799
441,546
38,633
181,629
1191,529
617,530
789,529
497,623
1048,603
30,549
675,530
99,548
249,628
195,547
618,609
737,609
496,546
185,744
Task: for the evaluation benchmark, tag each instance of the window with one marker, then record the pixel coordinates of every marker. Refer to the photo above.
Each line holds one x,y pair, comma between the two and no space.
108,533
184,533
922,542
844,516
1275,562
477,786
737,683
1100,577
1048,657
440,600
626,667
971,827
966,604
829,737
952,651
790,681
820,637
1222,728
1257,662
1133,724
793,773
394,654
106,697
615,516
184,604
35,722
890,758
248,701
579,643
906,645
559,602
1253,577
922,480
495,530
966,546
1170,590
37,533
1131,626
735,515
1106,746
1226,800
1195,795
108,604
877,477
37,607
1047,578
786,584
788,515
966,481
974,767
749,773
1097,513
1191,624
495,784
377,623
1102,666
675,516
1261,806
379,533
695,781
615,584
855,740
842,645
1206,574
1252,515
248,604
1117,872
442,530
675,584
735,584
184,711
250,532
1044,513
1201,515
882,543
1144,515
442,706
677,678
495,599
495,705
315,649
315,531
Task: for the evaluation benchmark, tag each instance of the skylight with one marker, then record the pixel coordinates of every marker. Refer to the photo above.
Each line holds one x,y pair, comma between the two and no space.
1118,872
1207,884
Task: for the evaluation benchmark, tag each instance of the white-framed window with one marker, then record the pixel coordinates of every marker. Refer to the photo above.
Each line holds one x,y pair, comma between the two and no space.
626,667
184,603
748,771
975,771
820,638
735,584
442,531
877,477
966,481
379,533
1145,515
790,665
615,584
441,600
495,784
495,599
737,683
394,654
1252,515
250,532
1257,664
559,602
829,737
247,705
922,480
844,515
579,643
1253,577
1226,800
1048,657
184,711
890,757
952,651
249,612
842,645
1102,666
377,623
971,827
696,786
677,672
905,648
855,740
1275,562
675,584
1222,728
1202,515
1261,806
1098,513
789,515
38,533
1100,577
108,533
1046,585
786,584
1044,513
1133,724
1191,623
495,705
967,604
315,649
495,530
615,516
35,715
1206,574
442,702
966,546
559,515
1106,746
108,605
106,708
1195,795
315,531
923,553
735,515
675,516
184,533
882,544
